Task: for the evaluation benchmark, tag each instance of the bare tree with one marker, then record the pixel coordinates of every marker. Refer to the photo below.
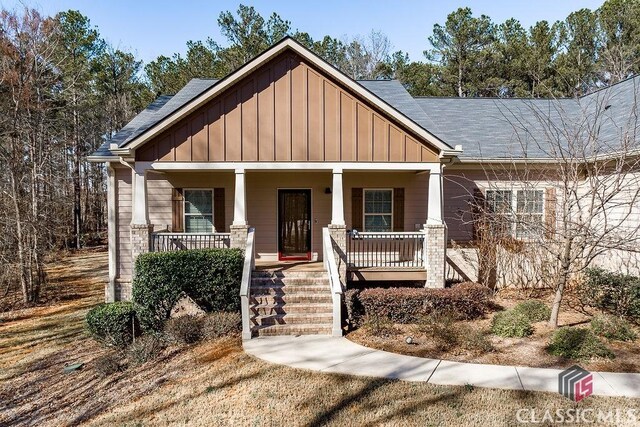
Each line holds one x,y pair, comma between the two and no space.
27,75
366,54
574,209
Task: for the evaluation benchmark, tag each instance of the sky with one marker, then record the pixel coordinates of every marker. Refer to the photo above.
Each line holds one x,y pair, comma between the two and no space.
161,27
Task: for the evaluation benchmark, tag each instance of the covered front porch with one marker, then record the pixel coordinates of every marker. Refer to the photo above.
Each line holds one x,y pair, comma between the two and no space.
385,221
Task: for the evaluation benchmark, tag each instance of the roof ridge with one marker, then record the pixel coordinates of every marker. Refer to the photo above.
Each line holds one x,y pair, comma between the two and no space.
609,86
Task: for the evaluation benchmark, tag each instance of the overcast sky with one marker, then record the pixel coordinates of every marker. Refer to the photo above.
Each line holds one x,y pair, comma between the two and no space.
161,27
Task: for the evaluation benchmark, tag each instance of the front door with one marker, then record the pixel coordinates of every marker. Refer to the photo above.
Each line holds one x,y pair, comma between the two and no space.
294,224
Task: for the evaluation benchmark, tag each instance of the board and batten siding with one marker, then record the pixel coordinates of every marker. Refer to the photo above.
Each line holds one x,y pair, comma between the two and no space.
286,111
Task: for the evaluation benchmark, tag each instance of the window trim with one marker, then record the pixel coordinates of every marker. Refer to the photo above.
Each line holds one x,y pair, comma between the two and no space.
364,210
185,214
513,232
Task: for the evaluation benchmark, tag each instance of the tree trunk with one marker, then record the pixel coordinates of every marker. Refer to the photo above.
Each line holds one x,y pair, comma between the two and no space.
561,282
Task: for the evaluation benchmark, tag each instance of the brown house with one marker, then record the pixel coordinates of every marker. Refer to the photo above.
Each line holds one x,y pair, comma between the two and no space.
296,163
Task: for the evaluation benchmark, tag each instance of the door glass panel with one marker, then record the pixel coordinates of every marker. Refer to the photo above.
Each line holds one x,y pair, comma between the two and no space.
295,223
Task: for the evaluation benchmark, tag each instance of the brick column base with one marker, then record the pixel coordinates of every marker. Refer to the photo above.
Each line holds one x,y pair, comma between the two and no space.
239,236
140,241
338,235
435,254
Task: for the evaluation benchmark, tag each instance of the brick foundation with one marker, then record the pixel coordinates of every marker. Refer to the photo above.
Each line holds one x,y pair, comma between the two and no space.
338,235
435,254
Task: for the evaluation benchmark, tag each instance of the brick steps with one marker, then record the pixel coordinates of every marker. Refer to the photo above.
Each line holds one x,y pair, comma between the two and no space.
292,319
267,309
308,329
290,303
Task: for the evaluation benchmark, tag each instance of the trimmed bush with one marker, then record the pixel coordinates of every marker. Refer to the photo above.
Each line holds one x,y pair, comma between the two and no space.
221,324
534,310
613,328
465,301
145,348
578,344
614,293
211,277
511,324
184,329
113,324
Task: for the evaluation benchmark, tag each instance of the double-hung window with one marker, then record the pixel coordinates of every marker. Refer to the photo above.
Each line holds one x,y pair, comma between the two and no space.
516,213
378,210
529,213
198,211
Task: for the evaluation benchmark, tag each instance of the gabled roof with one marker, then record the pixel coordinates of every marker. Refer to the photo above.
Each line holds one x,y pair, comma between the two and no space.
400,106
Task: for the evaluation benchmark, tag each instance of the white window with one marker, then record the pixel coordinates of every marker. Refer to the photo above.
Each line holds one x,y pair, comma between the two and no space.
378,210
529,213
198,211
523,222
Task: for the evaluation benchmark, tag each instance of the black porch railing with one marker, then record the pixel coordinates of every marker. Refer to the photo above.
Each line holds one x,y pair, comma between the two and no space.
166,242
385,250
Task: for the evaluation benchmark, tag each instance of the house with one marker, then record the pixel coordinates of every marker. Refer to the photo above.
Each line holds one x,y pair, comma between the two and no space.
291,160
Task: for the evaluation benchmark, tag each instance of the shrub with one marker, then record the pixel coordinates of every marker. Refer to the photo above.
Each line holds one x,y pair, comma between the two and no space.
407,305
184,329
354,308
220,324
448,335
534,310
613,328
379,326
578,344
614,293
108,364
440,327
511,324
145,348
211,277
114,324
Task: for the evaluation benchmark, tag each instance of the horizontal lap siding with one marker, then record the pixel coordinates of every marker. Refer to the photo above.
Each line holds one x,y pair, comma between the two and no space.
262,201
161,192
123,209
415,193
287,111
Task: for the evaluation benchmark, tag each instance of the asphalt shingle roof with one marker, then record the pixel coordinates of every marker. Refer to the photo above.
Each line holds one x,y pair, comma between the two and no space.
490,128
485,127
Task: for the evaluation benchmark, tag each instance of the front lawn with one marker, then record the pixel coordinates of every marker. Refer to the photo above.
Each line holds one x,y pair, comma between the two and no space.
214,382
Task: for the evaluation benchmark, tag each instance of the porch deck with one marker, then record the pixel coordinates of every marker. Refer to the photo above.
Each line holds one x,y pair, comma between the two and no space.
289,266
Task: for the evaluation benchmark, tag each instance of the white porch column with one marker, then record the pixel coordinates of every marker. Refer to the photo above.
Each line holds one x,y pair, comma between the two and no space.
239,228
140,213
435,231
436,202
337,198
240,201
337,228
112,233
141,229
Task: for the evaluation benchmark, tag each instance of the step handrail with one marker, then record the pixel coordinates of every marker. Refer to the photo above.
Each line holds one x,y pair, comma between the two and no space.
331,267
245,284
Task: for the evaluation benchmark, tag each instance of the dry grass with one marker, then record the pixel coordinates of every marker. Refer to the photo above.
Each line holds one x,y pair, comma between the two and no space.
215,383
529,351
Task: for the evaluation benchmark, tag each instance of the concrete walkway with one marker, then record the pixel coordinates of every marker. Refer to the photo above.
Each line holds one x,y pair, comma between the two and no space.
341,356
